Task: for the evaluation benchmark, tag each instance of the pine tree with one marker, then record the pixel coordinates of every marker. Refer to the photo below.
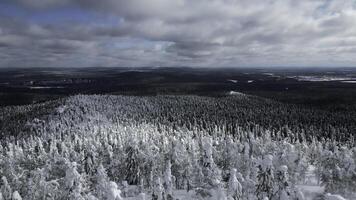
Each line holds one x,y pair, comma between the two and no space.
282,184
265,179
74,182
157,193
329,171
210,169
16,196
102,182
113,193
132,173
234,187
219,191
168,183
299,195
6,188
142,196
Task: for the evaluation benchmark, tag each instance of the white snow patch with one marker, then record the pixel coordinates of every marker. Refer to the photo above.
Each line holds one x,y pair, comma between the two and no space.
267,162
283,168
16,196
61,109
348,81
333,197
268,74
321,78
250,81
232,80
44,87
236,93
310,192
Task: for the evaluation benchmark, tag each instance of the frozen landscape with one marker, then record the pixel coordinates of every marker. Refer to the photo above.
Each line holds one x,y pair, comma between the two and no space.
177,100
175,147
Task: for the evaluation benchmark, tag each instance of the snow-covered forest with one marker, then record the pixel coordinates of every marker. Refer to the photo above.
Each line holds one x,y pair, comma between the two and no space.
176,147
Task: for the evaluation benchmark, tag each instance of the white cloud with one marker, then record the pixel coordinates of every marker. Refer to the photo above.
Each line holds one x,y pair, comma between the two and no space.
194,33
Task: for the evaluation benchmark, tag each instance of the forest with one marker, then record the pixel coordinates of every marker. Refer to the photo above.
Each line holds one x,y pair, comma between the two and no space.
237,147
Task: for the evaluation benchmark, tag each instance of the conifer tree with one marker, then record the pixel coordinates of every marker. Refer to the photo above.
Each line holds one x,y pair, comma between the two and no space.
113,193
132,170
265,179
6,188
102,182
234,187
157,193
16,196
73,182
282,184
168,183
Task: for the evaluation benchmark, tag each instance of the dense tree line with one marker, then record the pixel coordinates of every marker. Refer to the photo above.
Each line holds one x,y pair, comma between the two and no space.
241,147
193,112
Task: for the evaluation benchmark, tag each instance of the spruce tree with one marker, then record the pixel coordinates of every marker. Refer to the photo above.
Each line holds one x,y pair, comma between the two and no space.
265,179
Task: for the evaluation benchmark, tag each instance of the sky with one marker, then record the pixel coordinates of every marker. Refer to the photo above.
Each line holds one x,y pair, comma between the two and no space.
194,33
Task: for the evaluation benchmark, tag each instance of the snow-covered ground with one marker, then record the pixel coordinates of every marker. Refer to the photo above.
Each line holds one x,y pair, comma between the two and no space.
232,80
321,78
349,81
45,87
309,192
236,93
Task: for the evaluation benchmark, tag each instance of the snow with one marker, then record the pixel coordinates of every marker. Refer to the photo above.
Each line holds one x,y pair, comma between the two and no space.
348,81
71,175
142,196
16,196
61,109
283,168
267,161
44,87
113,193
329,196
236,93
310,192
235,188
306,192
321,78
77,166
232,80
300,195
250,81
269,74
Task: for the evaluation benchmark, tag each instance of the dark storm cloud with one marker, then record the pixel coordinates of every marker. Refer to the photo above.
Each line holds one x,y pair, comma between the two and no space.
180,32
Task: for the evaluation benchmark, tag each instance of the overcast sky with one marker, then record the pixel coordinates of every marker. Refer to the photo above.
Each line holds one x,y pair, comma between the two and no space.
208,33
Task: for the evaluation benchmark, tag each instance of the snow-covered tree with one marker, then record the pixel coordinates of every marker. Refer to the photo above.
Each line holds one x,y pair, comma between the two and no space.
5,188
102,182
74,182
16,196
265,179
132,170
168,183
113,193
58,156
282,184
234,187
158,190
299,195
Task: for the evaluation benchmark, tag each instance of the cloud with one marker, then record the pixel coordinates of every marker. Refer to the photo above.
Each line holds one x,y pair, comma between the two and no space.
181,33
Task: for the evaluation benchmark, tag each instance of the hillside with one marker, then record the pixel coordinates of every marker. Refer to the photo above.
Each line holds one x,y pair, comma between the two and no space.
90,146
